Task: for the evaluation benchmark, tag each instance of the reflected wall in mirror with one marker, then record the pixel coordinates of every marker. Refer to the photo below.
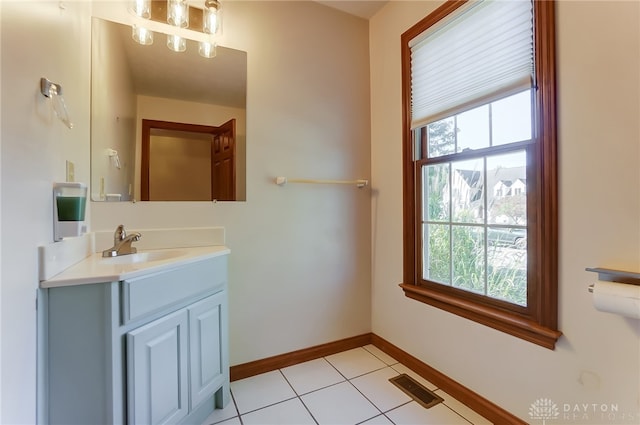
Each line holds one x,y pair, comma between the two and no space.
175,155
131,83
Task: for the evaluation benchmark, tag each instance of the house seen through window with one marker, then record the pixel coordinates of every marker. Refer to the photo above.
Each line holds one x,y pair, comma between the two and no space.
474,215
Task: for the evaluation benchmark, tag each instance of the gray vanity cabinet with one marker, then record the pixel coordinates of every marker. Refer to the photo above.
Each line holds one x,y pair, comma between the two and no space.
150,350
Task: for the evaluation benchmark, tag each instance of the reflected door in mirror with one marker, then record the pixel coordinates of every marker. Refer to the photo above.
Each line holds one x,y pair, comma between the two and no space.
187,162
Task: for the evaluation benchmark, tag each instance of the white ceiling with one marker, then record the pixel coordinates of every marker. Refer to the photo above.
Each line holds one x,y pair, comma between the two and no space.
362,8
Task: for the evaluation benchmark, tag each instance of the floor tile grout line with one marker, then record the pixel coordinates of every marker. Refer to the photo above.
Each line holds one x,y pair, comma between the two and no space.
374,370
347,380
332,365
299,397
377,416
374,355
237,415
384,412
268,405
457,413
320,388
451,408
236,406
367,398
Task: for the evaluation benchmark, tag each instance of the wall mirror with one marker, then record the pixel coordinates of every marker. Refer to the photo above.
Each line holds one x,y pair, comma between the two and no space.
156,113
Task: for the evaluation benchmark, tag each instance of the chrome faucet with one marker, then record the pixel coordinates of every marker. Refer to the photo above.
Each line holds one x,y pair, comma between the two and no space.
122,243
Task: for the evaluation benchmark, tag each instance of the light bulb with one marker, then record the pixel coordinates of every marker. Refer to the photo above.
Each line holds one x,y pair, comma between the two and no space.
178,13
176,43
142,35
207,50
211,16
141,8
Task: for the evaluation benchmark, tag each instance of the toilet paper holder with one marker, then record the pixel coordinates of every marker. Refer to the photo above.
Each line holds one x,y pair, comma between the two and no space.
616,292
610,275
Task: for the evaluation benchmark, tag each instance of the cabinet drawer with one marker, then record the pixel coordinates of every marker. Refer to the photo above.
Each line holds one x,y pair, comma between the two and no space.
152,294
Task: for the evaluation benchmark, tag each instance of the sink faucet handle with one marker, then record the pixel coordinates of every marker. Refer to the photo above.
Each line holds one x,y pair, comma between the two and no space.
120,234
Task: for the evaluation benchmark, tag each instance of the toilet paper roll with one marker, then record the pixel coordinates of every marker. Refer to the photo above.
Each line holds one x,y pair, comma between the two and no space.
618,298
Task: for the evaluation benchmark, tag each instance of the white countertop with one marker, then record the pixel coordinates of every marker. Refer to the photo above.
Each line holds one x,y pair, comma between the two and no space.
96,269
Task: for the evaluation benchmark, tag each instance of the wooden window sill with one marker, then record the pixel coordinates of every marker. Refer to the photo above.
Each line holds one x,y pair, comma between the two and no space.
509,323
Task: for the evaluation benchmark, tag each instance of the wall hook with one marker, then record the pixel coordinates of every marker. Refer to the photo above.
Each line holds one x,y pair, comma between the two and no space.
53,92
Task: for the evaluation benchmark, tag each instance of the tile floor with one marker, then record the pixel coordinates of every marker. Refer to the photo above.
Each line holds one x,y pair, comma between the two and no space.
348,388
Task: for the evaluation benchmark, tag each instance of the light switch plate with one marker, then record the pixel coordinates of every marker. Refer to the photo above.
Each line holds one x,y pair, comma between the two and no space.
71,172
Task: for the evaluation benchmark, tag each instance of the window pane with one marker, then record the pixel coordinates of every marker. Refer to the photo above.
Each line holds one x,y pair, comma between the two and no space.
467,187
507,264
435,180
507,189
437,258
442,138
473,129
511,119
468,258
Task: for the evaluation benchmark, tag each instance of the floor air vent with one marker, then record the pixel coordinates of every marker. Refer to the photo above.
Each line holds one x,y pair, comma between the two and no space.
416,391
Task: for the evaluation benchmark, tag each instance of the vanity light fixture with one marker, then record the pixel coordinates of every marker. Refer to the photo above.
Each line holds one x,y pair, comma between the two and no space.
179,14
141,8
207,50
210,16
142,35
176,43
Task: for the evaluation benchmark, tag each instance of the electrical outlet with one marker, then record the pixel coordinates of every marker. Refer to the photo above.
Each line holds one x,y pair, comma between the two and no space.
71,172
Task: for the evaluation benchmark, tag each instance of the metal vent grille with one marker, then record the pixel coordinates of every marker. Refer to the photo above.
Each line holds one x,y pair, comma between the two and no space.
416,391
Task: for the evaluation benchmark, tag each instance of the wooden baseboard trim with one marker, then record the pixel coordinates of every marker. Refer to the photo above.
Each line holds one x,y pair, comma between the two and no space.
257,367
461,393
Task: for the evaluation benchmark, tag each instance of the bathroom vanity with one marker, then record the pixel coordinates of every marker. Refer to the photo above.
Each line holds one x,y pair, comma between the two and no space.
140,339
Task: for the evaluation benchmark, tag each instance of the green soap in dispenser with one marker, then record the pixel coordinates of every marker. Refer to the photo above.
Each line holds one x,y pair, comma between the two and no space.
69,205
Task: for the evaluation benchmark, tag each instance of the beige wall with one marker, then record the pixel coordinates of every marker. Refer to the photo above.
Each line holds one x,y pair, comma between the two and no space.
38,40
180,168
162,109
598,358
113,115
300,261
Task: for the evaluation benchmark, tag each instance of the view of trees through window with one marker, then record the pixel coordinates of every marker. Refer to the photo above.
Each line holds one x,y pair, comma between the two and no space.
474,208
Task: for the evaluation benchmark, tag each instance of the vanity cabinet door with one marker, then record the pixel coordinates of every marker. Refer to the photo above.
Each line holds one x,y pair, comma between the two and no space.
157,375
206,344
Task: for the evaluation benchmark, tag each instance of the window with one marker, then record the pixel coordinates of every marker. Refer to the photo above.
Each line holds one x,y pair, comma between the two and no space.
479,146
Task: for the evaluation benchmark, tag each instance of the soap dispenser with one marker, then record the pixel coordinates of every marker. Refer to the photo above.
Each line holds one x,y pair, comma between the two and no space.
69,205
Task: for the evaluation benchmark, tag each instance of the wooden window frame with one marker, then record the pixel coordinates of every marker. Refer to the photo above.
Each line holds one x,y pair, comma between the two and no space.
538,322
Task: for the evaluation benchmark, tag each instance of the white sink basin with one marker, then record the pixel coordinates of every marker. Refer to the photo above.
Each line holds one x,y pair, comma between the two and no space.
97,269
73,261
143,257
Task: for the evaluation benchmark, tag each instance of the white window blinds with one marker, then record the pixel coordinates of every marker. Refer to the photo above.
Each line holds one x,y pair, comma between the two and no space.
484,50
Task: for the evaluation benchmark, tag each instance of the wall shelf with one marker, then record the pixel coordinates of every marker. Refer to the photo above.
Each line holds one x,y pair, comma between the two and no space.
611,275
